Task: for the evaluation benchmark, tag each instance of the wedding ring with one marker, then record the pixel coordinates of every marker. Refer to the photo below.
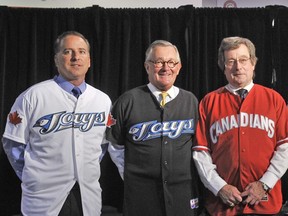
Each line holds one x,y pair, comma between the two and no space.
231,205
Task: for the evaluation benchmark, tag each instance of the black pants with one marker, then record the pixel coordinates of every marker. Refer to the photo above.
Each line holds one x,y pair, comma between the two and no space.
73,204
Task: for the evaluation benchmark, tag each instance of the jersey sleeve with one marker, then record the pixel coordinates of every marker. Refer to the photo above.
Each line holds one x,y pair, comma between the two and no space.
282,123
17,125
201,142
115,133
15,155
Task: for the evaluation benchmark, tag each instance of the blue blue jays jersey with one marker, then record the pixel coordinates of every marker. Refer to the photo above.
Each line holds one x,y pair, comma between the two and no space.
159,174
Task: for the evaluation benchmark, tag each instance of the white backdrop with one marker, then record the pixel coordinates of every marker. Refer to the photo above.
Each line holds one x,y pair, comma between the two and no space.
102,3
139,3
251,3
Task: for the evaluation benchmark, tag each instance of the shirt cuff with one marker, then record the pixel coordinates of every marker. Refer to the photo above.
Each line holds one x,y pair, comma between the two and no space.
269,179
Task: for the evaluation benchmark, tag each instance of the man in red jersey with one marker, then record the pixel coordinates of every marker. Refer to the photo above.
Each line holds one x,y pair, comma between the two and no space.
241,148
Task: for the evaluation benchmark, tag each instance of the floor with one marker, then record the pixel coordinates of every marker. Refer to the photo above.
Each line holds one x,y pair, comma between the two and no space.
284,209
106,211
110,211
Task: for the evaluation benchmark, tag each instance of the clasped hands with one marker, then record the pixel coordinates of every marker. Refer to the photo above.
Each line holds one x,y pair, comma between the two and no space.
251,195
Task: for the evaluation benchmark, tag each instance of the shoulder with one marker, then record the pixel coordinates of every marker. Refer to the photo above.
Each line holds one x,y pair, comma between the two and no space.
96,92
187,93
135,92
215,93
133,96
258,88
37,93
266,92
43,87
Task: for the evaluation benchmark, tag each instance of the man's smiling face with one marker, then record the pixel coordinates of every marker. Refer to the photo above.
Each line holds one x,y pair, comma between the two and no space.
163,77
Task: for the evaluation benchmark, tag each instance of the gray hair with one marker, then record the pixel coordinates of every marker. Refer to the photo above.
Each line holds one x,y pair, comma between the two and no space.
230,43
162,43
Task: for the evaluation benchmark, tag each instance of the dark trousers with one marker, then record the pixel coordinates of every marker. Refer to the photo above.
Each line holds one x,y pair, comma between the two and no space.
73,204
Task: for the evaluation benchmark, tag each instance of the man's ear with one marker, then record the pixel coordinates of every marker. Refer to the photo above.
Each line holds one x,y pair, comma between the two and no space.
179,67
56,60
146,66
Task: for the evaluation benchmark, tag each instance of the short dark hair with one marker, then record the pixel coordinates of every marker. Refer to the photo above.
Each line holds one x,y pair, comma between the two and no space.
60,38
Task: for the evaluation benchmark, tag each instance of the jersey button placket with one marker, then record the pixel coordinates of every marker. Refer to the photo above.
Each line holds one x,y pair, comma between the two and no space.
78,140
164,160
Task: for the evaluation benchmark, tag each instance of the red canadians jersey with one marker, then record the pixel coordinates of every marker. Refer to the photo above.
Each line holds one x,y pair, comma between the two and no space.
241,138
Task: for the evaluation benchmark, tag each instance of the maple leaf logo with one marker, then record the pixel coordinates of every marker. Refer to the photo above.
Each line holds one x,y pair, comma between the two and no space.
14,118
111,121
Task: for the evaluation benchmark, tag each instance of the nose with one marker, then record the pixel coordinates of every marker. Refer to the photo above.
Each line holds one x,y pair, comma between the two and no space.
237,64
75,56
165,65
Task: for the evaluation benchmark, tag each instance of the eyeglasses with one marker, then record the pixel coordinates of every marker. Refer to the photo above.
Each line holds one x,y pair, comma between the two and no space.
160,63
231,62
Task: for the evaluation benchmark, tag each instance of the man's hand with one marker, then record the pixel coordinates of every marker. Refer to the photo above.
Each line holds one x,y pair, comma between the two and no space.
230,195
254,193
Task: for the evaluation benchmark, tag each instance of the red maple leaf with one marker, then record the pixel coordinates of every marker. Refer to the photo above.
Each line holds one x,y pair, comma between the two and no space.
14,118
111,121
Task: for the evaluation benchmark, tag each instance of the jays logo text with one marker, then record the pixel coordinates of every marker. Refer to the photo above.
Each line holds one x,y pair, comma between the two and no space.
153,129
241,120
64,120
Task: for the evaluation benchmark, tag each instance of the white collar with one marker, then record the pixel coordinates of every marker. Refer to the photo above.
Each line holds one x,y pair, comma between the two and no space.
172,92
232,89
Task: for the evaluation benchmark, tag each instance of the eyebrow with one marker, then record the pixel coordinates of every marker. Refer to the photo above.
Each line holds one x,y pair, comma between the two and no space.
241,56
